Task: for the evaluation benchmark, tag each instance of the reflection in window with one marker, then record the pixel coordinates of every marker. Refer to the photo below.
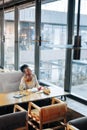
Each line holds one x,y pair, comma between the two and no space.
9,40
53,33
27,36
79,67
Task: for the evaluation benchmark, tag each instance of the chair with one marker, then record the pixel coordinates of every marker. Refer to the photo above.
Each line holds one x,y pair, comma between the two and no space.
14,121
47,115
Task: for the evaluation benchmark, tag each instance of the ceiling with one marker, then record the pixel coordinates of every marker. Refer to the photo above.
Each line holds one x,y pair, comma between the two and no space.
6,1
9,3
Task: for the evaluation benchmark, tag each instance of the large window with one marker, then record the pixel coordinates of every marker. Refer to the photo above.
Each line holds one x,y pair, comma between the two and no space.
79,66
27,36
53,34
9,40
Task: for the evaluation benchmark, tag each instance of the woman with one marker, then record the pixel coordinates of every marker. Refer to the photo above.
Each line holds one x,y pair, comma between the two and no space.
29,79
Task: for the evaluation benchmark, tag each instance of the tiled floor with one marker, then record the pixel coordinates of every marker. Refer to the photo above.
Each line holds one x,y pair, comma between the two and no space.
77,106
80,90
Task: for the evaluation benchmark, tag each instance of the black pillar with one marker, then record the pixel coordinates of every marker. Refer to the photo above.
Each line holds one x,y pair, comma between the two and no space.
70,30
37,36
77,40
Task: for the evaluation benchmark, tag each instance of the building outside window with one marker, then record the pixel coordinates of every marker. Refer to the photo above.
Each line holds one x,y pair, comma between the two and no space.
79,67
9,40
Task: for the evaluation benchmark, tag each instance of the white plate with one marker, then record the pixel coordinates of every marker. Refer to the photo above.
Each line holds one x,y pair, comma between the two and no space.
34,90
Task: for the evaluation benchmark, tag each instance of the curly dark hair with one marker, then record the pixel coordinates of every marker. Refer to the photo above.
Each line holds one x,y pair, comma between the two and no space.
23,67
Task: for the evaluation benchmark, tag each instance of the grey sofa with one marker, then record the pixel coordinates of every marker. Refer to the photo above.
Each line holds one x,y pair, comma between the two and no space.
9,81
13,121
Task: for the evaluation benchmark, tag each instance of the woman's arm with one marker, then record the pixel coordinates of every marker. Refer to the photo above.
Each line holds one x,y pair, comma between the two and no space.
22,85
36,82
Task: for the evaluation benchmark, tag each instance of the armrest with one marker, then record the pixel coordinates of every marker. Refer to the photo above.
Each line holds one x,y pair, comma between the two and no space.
18,108
31,104
70,127
34,106
56,100
34,111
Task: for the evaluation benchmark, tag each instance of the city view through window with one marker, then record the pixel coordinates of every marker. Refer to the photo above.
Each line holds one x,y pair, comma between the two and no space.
53,34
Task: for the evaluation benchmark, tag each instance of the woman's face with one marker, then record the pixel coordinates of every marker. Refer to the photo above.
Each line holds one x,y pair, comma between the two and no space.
27,71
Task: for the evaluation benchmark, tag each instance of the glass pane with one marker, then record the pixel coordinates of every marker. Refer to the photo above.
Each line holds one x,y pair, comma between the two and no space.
27,36
53,34
79,67
9,40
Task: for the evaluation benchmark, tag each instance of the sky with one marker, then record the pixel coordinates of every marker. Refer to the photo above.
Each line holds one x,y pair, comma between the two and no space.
61,5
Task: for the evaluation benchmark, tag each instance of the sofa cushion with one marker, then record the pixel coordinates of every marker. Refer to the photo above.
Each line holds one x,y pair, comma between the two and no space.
9,81
80,123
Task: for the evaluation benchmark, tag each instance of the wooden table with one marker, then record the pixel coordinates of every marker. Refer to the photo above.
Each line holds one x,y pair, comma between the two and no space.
7,99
